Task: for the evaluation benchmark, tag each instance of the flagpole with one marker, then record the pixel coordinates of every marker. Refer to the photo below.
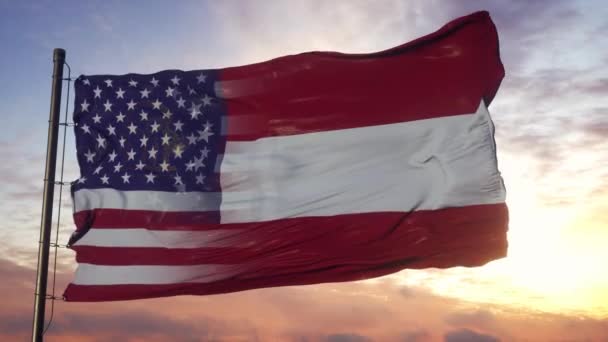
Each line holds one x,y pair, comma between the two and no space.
47,199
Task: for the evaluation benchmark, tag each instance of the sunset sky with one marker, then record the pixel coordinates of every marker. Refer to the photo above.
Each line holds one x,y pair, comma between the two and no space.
551,117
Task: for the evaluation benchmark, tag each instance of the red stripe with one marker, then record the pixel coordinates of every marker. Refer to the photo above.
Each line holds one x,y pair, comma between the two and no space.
445,73
157,220
467,255
357,246
370,235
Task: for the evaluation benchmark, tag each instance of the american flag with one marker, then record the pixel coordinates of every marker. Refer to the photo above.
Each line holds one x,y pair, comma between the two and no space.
311,168
148,132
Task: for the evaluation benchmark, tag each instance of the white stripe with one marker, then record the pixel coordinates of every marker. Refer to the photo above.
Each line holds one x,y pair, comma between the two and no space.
139,237
87,199
89,274
419,165
425,164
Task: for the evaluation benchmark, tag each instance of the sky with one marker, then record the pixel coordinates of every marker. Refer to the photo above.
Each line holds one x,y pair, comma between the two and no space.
551,117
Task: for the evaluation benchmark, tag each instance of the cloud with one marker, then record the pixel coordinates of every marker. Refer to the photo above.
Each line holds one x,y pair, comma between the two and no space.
418,335
478,318
596,124
407,292
466,335
141,324
553,122
345,337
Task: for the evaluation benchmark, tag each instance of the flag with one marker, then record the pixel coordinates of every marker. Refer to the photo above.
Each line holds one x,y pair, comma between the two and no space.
310,168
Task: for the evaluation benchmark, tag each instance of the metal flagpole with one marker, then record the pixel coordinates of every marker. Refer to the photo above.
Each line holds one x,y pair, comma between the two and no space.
47,200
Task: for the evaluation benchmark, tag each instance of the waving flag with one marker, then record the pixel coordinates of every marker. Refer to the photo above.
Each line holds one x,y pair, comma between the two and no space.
311,168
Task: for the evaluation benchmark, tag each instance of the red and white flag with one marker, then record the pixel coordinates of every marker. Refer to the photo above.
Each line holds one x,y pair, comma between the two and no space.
311,168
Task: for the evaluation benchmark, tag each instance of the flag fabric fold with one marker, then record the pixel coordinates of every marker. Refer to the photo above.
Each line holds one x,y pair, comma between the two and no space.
311,168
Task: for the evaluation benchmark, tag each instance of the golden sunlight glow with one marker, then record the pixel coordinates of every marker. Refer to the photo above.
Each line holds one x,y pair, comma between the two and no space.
552,264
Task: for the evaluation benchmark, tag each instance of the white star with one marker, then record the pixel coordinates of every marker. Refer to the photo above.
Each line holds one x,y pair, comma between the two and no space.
131,154
201,78
111,130
152,152
97,118
165,139
89,156
178,125
164,166
154,126
143,115
97,170
101,141
108,83
120,94
205,152
195,111
198,163
145,93
117,167
86,81
207,126
122,141
175,80
97,92
104,179
178,151
156,104
132,128
125,178
112,156
85,128
190,166
120,117
207,100
192,139
85,106
204,135
178,180
150,178
167,114
200,178
140,165
191,91
181,103
169,91
108,106
133,83
131,105
154,82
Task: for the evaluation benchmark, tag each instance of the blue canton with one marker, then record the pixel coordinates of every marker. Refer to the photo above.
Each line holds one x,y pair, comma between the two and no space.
158,132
